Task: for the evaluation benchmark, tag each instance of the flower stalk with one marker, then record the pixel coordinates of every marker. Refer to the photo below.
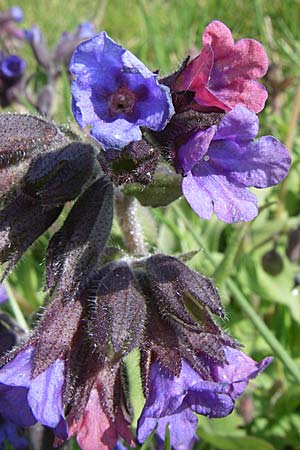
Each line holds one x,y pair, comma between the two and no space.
126,209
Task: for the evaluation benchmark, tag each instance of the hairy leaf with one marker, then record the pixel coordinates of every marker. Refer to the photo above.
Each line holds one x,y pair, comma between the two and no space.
23,137
59,176
118,310
21,223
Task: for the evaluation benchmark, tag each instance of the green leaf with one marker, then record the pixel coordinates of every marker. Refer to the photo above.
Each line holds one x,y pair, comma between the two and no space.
235,442
146,444
164,189
288,402
167,443
226,266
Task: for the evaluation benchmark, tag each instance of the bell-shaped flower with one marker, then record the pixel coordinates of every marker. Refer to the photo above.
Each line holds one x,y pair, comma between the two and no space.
12,67
115,93
220,163
26,400
225,73
172,401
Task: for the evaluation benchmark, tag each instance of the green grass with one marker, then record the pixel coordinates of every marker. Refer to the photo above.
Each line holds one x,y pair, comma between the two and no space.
161,33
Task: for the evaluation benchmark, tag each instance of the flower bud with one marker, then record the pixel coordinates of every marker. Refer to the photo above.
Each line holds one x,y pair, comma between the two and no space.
118,311
36,40
23,137
75,250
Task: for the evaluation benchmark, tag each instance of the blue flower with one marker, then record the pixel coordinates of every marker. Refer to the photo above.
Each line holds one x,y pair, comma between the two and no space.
26,400
12,67
3,294
9,431
16,13
115,93
172,401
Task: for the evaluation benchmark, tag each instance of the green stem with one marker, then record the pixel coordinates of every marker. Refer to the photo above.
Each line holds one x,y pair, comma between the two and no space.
126,209
15,307
226,266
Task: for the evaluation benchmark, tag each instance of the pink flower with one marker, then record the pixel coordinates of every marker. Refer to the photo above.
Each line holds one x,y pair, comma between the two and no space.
96,426
224,74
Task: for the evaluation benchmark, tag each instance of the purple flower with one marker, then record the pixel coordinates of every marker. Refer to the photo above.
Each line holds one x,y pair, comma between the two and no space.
115,93
9,431
12,67
3,294
26,400
85,30
221,162
16,13
173,400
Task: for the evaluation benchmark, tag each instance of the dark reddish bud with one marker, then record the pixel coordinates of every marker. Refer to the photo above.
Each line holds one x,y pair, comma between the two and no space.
23,137
21,223
175,285
59,176
293,245
75,250
181,127
54,333
36,39
45,100
118,311
272,262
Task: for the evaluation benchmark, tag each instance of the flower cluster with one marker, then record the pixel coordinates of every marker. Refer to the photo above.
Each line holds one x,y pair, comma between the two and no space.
71,365
209,139
200,123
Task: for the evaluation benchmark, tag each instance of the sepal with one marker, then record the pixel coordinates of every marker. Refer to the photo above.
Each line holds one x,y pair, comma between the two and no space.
75,250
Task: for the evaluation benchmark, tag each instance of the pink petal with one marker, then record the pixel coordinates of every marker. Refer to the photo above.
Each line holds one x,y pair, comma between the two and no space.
197,72
235,69
219,37
94,429
248,93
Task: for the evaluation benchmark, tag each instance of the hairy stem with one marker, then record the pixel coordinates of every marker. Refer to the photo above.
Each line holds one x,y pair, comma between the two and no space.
126,209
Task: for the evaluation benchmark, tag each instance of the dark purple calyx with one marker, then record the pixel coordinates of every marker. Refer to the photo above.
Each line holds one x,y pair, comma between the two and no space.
135,164
180,128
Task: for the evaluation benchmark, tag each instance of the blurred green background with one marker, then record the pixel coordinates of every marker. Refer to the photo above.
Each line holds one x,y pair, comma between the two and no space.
256,266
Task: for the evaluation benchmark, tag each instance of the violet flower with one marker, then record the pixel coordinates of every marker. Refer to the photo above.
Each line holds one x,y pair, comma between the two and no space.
115,93
3,294
172,401
224,74
26,400
12,67
10,432
15,14
221,162
8,338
